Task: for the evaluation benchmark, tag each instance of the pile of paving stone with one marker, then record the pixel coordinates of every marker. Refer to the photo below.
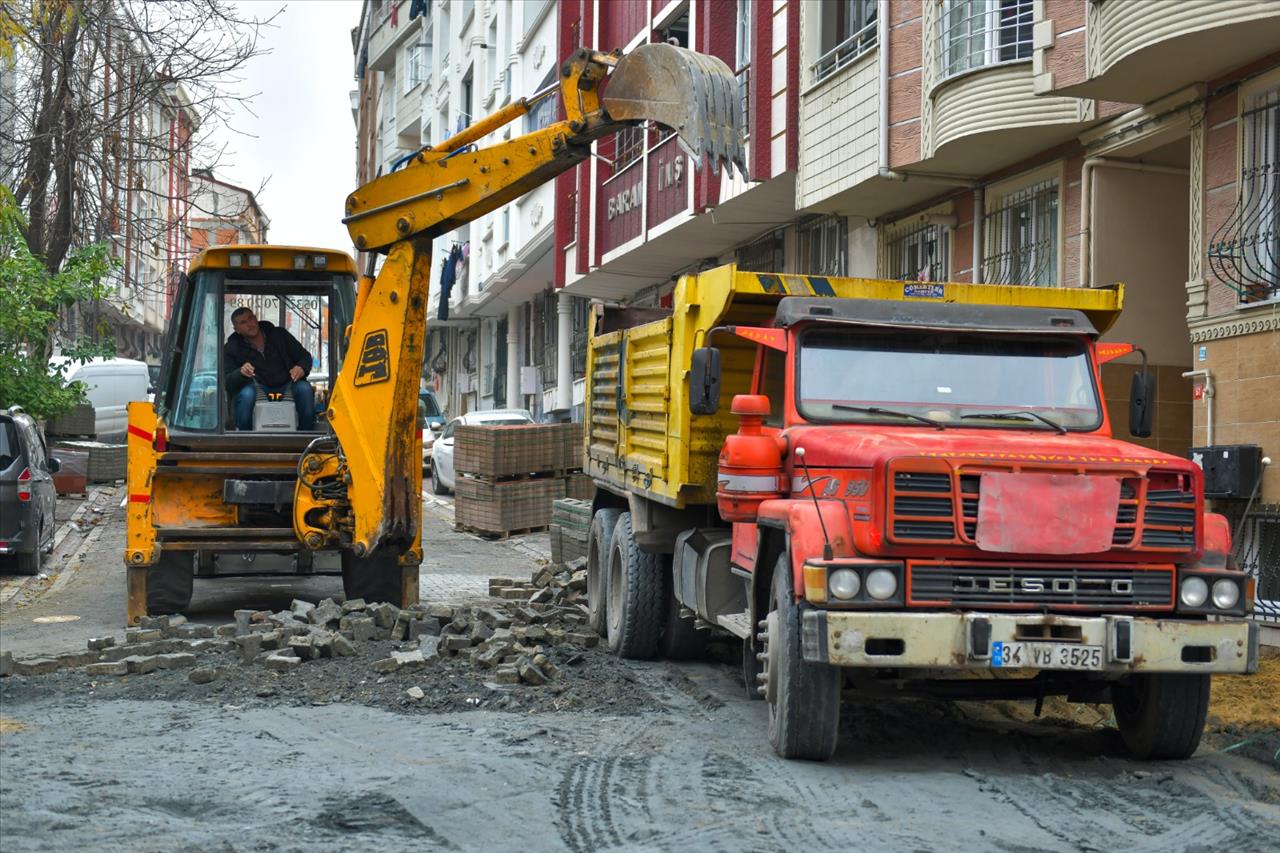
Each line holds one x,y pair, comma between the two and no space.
508,638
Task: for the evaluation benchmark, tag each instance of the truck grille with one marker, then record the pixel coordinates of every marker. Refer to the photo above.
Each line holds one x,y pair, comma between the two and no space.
1039,586
1152,514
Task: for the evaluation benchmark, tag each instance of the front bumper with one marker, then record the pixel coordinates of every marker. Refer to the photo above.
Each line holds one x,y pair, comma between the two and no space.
964,640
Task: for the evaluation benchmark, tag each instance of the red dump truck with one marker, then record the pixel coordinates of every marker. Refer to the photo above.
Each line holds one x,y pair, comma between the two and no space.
912,485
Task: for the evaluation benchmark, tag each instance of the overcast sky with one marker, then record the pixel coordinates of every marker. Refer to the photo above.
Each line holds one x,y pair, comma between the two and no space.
300,138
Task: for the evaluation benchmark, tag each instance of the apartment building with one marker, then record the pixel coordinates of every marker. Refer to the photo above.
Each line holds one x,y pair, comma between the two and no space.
427,70
222,213
145,204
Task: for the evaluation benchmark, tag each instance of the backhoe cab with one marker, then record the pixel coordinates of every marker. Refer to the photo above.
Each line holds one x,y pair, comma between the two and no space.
200,489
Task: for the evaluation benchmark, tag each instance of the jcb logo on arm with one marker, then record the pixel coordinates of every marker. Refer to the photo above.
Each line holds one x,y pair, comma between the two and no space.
375,361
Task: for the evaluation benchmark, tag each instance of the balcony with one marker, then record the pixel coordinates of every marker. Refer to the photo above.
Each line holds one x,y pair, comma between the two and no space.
982,110
1136,52
385,39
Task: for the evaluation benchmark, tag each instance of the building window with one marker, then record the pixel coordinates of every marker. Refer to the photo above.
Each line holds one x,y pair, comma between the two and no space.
823,245
1022,237
628,146
415,69
764,255
1245,252
983,32
846,30
920,254
543,113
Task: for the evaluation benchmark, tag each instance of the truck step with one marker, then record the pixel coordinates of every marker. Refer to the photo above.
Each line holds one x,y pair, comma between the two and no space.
738,624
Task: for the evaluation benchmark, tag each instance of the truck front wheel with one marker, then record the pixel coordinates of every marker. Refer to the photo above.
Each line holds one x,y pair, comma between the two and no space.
804,698
637,605
599,541
170,582
1161,716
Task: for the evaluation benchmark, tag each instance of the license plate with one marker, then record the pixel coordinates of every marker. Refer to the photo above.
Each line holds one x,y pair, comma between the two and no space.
1046,656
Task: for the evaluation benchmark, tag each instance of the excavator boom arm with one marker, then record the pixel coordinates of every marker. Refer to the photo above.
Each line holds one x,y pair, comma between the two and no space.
361,492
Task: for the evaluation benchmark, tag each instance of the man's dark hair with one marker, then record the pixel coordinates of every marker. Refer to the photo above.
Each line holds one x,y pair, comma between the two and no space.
243,309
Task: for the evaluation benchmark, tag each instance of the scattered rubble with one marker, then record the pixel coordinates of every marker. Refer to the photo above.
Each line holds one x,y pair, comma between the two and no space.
525,637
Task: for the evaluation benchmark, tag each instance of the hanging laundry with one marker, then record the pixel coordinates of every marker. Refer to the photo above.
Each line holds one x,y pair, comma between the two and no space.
416,8
448,275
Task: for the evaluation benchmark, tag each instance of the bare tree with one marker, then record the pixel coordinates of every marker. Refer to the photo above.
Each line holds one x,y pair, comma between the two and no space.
100,98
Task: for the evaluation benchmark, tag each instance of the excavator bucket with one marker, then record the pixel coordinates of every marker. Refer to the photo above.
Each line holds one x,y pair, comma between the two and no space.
694,94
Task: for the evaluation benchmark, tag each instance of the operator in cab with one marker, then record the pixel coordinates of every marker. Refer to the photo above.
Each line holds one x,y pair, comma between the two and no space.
259,353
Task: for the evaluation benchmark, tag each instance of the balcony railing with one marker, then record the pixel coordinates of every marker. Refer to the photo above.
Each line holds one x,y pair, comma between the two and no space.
977,33
844,53
744,97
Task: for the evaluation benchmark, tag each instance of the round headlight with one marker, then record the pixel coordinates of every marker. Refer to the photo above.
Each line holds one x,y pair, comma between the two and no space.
881,584
1194,591
844,583
1225,594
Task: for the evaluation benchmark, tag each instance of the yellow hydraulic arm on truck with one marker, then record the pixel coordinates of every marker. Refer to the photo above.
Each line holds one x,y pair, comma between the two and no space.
360,489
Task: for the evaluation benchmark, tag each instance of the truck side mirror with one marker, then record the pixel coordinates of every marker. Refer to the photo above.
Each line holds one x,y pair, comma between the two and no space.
1142,396
704,381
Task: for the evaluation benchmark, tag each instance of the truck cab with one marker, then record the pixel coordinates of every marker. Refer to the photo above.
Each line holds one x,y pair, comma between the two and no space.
916,487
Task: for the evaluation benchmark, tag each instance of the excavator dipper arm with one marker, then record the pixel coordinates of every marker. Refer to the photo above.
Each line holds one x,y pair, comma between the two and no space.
360,489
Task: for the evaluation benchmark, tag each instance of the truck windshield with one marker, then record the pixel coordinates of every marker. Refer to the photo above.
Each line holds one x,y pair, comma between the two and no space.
974,380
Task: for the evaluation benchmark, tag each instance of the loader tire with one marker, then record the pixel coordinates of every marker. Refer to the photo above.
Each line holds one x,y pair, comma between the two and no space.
373,578
1161,716
637,603
804,697
170,582
598,542
681,639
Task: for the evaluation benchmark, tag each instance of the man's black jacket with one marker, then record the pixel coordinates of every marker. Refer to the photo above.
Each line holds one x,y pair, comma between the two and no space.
280,352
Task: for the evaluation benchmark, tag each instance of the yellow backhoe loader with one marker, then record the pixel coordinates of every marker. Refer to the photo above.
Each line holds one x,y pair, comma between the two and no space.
206,499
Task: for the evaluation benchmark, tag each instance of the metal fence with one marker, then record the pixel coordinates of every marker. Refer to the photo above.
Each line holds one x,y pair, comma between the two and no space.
919,254
1257,551
1022,237
984,32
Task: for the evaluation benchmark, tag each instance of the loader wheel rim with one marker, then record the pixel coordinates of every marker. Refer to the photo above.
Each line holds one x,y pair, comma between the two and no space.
771,663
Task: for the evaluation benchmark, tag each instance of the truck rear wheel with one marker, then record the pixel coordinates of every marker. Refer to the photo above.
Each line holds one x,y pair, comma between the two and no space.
170,582
1161,716
636,610
804,698
598,542
373,578
681,639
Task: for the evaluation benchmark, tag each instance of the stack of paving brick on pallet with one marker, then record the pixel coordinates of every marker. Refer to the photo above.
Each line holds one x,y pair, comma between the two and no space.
570,524
509,476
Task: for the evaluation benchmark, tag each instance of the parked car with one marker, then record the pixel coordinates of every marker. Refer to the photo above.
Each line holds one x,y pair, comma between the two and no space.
443,477
431,422
112,383
27,496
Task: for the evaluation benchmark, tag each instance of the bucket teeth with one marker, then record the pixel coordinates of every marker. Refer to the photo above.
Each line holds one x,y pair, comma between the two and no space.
694,94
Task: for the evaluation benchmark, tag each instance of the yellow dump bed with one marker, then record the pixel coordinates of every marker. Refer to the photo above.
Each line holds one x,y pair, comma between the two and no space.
640,436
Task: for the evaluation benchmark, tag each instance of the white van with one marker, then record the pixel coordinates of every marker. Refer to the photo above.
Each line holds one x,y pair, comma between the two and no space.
112,383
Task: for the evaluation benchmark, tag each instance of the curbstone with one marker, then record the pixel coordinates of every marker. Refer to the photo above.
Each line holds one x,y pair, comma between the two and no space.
97,644
342,647
278,662
386,665
142,664
250,645
35,666
301,609
325,612
242,620
354,604
176,660
363,629
134,636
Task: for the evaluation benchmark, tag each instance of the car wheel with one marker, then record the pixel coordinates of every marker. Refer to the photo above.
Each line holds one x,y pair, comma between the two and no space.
170,582
804,697
29,564
437,488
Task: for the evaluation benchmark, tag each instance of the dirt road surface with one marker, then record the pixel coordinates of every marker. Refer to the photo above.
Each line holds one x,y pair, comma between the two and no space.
610,755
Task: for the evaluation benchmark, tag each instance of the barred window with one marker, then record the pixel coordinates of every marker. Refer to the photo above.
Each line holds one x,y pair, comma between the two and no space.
1022,237
847,30
983,32
1245,251
823,245
920,254
764,255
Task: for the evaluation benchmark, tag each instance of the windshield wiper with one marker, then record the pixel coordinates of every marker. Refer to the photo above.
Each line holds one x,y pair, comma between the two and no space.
876,410
1016,416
